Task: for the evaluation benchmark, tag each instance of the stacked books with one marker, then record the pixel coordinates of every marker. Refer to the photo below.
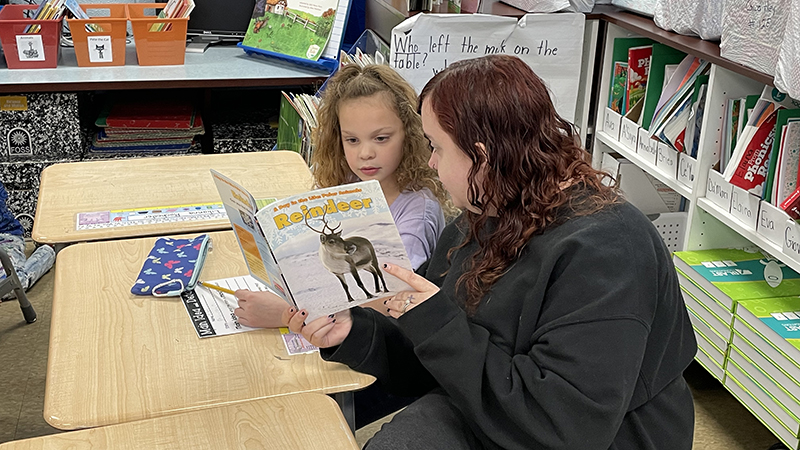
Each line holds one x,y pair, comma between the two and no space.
146,127
54,9
763,368
714,281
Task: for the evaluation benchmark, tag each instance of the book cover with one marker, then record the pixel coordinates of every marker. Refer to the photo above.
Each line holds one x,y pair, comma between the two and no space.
662,56
730,275
298,28
775,166
638,71
322,250
786,169
750,170
776,319
151,114
619,84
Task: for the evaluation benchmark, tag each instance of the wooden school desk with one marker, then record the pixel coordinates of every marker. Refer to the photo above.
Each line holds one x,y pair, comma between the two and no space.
71,188
116,357
298,421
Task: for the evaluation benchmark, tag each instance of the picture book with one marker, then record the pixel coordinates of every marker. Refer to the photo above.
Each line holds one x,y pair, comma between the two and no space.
638,71
619,85
323,250
297,28
749,164
782,169
151,114
662,57
730,275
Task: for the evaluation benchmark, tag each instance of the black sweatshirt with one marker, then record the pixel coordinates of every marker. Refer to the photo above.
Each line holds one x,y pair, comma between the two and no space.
580,345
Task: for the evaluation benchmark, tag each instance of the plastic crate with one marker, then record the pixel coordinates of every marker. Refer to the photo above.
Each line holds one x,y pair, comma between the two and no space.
104,46
159,42
37,50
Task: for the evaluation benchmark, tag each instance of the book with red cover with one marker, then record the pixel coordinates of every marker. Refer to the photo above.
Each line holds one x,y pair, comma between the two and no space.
153,114
638,71
792,204
751,170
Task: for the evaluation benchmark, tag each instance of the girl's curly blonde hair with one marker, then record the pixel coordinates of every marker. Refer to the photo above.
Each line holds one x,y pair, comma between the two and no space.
351,82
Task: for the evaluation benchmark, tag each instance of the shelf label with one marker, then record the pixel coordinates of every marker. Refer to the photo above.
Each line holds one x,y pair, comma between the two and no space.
791,240
649,152
612,123
744,207
667,159
718,190
771,220
686,169
644,142
629,134
99,48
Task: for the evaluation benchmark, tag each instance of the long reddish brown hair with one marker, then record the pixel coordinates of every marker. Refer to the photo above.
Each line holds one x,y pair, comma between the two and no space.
531,155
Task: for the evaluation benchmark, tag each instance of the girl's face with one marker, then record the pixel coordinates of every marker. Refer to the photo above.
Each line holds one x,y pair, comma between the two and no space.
452,164
372,137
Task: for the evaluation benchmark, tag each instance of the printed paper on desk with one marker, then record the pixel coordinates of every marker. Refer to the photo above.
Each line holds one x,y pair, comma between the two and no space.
552,44
211,311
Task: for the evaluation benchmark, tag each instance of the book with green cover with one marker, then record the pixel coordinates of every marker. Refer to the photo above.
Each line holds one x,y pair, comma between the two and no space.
662,56
777,320
731,275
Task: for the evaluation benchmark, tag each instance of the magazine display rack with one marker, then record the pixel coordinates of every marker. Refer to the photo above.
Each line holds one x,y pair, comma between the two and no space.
720,215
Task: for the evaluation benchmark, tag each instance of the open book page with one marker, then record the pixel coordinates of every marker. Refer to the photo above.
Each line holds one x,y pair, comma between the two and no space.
331,245
241,209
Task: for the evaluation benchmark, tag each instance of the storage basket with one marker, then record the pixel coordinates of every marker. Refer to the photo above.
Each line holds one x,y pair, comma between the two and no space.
159,42
100,41
33,50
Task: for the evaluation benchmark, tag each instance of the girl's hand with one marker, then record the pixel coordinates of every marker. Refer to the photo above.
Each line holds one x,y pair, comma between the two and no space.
405,301
323,332
259,309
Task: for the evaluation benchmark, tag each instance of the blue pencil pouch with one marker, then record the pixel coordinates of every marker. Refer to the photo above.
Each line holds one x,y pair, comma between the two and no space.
173,266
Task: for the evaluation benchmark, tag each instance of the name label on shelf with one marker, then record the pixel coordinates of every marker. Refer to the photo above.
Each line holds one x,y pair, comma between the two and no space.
612,123
649,152
646,146
791,240
718,190
744,207
686,169
629,134
667,159
771,223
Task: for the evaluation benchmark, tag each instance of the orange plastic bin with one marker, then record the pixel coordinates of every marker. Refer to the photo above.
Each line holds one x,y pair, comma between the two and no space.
159,42
33,50
100,41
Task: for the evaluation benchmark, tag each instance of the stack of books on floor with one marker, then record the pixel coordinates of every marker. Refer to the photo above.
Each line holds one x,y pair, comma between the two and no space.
746,316
713,282
135,127
763,368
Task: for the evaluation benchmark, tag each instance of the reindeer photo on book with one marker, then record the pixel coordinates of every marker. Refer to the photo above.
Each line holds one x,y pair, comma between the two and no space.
331,245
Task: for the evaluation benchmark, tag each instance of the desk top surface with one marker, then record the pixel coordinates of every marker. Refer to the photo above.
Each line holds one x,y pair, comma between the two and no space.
71,188
275,423
217,67
115,357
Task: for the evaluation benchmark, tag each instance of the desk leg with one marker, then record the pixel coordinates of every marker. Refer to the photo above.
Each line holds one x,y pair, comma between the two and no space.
345,401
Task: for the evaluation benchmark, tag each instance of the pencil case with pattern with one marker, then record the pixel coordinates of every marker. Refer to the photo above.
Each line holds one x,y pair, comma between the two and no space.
173,266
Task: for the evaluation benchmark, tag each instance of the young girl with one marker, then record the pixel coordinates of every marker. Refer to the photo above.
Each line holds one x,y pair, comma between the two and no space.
550,314
369,129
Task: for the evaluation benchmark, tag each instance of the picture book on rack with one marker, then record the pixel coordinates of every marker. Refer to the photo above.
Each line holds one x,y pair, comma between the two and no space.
299,28
322,250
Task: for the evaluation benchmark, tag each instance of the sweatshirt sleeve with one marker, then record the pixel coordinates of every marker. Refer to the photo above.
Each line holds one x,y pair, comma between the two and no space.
376,346
572,387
